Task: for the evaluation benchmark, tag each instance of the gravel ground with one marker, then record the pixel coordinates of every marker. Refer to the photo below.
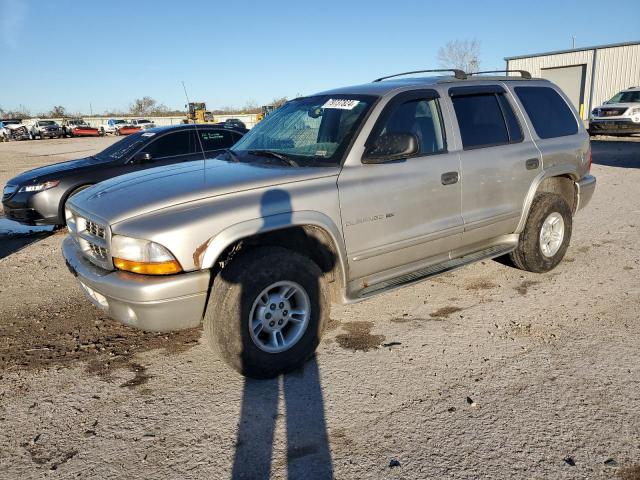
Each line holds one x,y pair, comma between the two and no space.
488,372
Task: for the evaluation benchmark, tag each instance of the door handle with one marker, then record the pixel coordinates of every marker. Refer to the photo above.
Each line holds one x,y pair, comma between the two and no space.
532,163
449,178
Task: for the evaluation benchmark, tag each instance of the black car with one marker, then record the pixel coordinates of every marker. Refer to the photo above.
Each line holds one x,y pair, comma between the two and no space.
38,197
233,123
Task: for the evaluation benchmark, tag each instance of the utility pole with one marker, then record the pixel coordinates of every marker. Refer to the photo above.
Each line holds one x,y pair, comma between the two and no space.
573,41
91,109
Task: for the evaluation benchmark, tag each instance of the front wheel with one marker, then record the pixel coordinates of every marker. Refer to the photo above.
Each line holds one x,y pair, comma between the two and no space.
546,235
267,311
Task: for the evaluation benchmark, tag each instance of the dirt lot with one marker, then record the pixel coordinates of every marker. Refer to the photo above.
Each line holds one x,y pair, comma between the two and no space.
487,372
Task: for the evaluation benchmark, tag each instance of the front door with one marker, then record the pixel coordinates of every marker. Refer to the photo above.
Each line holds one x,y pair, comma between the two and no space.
398,215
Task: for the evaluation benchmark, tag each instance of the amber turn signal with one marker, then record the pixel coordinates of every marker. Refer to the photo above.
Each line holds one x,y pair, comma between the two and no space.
148,268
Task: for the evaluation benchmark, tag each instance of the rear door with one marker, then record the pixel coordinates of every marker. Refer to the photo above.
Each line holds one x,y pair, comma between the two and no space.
498,158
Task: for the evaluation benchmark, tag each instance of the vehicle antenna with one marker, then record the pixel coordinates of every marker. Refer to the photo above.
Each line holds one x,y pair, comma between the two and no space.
204,157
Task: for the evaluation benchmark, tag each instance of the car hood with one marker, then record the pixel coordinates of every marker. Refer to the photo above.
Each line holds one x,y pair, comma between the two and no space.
619,105
50,172
149,190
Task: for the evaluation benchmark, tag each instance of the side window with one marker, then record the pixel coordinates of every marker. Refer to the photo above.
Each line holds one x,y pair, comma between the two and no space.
549,114
170,145
513,126
215,139
480,120
422,118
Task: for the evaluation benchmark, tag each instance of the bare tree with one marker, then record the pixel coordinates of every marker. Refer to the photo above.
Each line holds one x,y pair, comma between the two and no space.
57,112
462,54
147,106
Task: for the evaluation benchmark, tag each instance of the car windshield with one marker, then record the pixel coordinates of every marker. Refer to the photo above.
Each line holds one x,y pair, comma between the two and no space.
312,130
43,123
626,97
122,149
143,121
118,122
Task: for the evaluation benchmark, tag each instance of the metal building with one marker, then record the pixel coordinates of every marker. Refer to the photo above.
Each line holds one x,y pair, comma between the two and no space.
590,75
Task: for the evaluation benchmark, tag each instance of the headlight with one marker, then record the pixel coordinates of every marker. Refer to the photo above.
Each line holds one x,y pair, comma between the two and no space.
634,111
142,256
40,186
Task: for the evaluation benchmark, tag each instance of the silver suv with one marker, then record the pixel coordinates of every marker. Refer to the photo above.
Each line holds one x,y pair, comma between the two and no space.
337,197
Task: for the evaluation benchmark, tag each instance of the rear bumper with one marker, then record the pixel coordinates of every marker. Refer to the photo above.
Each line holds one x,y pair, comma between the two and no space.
160,304
585,188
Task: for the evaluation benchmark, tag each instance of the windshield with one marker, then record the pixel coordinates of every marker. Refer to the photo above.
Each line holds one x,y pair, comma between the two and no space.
311,130
46,122
143,121
118,122
122,149
626,97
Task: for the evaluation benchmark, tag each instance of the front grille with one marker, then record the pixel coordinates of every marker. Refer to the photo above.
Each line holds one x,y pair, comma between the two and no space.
95,229
8,191
612,112
98,251
92,237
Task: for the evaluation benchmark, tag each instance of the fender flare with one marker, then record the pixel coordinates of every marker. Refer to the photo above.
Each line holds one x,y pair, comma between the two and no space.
555,171
217,244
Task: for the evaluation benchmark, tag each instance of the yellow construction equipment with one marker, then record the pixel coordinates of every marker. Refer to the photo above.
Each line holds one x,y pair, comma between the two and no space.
197,113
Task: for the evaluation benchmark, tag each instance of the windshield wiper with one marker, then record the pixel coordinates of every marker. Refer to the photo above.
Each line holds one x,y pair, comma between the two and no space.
270,153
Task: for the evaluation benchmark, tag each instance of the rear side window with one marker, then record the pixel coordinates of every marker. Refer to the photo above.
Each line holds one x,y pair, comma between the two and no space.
550,115
215,139
481,120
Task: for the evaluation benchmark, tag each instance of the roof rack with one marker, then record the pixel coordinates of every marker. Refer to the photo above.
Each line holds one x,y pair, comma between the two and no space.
523,73
459,74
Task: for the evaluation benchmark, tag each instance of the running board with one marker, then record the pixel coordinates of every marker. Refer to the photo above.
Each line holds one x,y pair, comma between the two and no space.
435,270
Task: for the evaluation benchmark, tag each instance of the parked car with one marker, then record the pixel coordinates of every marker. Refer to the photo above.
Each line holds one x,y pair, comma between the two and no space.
37,197
116,126
233,123
144,124
619,116
13,130
77,127
44,129
335,197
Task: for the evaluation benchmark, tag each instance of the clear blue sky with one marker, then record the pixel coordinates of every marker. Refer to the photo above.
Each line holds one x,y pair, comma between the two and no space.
110,52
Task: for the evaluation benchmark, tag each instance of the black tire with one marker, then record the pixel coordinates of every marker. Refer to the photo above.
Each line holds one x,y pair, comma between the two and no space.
528,255
63,205
234,290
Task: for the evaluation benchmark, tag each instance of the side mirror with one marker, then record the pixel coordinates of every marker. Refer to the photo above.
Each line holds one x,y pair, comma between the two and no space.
391,146
142,157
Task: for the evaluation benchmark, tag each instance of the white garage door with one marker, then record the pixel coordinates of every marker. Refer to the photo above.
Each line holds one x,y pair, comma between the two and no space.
571,81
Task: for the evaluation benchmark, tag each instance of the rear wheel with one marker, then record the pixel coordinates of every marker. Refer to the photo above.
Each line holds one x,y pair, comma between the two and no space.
546,234
267,311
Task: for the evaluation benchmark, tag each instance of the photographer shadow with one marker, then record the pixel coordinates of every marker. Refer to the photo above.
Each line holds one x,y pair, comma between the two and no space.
307,447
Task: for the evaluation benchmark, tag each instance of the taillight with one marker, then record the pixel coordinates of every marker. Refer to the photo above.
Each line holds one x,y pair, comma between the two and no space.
590,158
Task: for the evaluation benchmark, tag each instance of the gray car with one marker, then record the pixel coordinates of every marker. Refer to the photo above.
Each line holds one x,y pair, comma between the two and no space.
336,197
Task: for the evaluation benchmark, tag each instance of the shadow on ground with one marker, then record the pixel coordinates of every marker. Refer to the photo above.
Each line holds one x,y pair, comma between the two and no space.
616,153
14,236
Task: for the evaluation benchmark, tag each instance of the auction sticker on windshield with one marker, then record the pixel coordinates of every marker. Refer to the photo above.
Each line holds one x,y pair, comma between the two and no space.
341,103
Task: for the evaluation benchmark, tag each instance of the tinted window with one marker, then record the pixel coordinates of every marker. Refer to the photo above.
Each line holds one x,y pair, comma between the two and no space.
513,126
549,113
215,139
172,144
421,118
480,120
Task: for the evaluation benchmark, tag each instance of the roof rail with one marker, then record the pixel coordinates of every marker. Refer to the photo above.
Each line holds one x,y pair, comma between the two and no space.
523,73
459,74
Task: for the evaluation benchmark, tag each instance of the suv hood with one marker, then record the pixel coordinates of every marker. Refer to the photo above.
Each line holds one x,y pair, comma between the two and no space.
619,105
142,192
